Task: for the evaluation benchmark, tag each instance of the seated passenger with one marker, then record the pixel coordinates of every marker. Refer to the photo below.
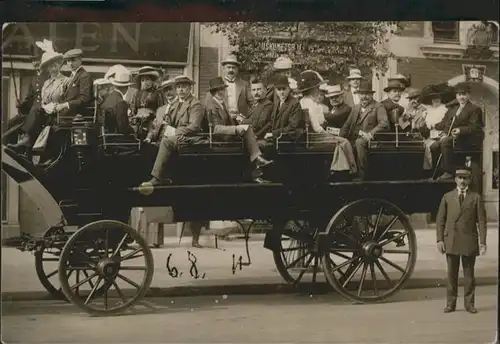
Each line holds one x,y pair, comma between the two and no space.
287,121
343,157
259,115
432,112
281,67
102,87
364,122
114,108
325,104
394,110
147,99
459,121
185,118
160,122
51,94
339,112
79,93
226,127
294,87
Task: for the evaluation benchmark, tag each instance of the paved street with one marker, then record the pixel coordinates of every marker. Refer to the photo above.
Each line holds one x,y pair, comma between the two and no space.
19,277
413,316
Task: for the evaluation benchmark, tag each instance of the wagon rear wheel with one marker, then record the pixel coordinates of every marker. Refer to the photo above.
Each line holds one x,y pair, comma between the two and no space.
372,250
109,253
294,257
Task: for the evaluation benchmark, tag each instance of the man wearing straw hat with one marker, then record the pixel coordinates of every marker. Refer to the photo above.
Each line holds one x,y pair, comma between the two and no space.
114,109
79,91
460,222
351,96
161,119
459,122
365,120
102,88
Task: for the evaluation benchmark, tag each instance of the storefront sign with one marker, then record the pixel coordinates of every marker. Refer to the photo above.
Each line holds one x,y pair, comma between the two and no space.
156,42
474,73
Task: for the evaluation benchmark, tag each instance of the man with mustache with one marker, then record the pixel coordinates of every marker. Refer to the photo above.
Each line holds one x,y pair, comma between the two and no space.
460,221
237,95
365,120
391,104
340,111
259,115
161,120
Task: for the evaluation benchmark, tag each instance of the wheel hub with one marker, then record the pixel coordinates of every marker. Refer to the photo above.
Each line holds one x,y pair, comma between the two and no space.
108,267
372,250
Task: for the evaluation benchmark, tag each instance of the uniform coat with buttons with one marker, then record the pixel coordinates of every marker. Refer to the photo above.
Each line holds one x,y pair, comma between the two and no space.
460,226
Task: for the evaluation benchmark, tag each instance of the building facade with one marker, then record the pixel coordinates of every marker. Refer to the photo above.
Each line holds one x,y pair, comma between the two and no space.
456,51
179,48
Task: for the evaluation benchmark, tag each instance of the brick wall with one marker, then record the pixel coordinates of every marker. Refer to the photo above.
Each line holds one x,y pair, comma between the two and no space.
427,71
209,68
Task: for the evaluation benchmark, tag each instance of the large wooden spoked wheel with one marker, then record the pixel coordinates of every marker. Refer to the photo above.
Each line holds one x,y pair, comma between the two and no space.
47,267
371,251
110,252
294,256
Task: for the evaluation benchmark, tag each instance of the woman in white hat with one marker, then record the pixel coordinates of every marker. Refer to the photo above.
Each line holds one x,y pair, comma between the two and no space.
53,88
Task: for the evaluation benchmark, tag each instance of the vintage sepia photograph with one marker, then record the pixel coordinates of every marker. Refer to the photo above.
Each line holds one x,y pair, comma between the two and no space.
250,182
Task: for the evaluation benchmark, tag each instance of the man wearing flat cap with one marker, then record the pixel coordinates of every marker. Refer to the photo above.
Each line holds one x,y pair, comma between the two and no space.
461,122
460,222
185,118
364,122
79,92
161,119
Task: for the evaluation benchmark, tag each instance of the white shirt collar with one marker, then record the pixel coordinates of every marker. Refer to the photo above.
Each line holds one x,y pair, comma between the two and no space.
123,95
462,190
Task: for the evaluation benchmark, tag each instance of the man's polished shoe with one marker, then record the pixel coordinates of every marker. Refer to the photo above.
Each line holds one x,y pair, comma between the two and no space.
261,180
449,309
261,162
155,181
471,309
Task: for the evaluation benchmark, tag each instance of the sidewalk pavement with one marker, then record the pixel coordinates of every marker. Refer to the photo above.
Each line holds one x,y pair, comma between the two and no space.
20,282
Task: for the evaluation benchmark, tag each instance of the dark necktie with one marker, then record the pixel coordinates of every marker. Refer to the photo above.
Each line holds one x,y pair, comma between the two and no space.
461,197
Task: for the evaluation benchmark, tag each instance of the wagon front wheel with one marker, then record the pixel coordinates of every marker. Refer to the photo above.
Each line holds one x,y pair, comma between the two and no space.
371,251
108,253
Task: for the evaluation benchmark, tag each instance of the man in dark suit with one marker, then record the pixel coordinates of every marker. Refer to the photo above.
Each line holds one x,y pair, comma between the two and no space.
340,111
160,122
237,96
394,110
184,118
464,120
259,115
31,114
227,128
460,220
114,108
365,120
287,120
281,67
79,89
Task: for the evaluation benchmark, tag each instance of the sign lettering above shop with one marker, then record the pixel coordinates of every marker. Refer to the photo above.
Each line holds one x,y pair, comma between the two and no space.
157,42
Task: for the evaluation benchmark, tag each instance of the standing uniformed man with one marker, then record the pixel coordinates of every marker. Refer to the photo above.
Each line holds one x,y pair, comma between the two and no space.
461,219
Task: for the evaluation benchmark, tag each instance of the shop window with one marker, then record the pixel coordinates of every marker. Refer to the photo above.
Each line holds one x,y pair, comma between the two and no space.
445,31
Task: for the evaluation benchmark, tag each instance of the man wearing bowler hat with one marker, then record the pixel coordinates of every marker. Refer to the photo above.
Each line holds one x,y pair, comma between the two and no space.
227,128
79,89
460,222
339,111
461,122
394,110
365,120
282,67
237,95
